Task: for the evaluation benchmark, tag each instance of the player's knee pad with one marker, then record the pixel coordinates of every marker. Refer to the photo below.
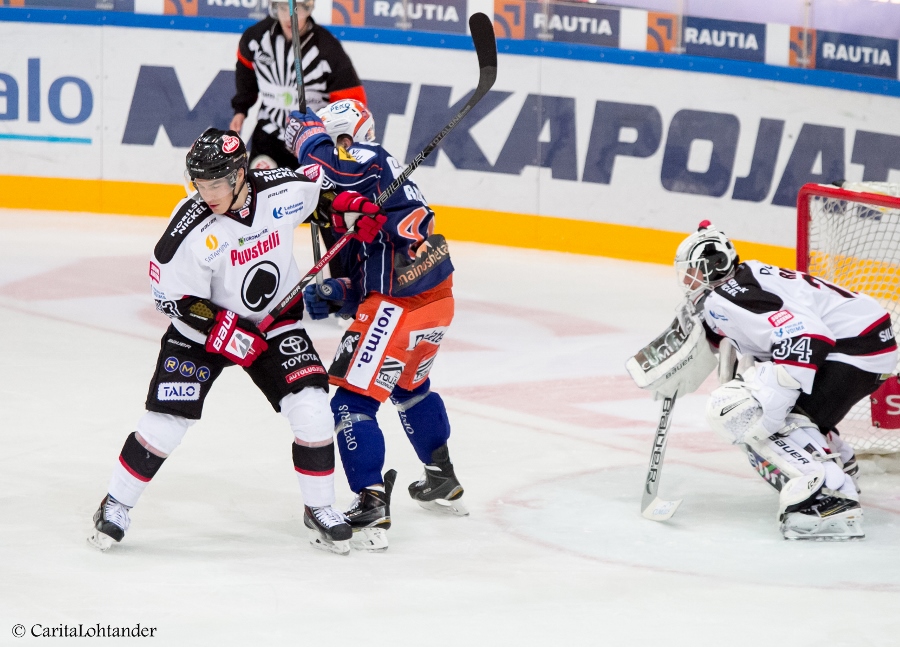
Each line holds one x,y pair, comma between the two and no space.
308,414
424,418
359,440
163,431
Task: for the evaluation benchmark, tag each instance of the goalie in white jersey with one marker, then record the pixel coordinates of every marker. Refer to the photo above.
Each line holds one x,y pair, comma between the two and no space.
226,255
818,350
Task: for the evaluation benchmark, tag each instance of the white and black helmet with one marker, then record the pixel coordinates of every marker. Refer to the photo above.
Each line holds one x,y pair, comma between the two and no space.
704,260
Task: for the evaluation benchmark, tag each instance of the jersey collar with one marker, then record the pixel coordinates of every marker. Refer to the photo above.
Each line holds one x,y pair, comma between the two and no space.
245,214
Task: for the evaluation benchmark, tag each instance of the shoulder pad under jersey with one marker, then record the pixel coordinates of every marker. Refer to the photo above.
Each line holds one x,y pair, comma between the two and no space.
187,216
263,179
360,153
745,291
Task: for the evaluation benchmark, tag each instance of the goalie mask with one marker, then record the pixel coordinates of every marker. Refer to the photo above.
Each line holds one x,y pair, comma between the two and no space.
348,117
704,260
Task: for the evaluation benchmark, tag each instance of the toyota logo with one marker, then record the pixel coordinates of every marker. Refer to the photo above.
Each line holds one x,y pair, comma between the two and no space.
293,345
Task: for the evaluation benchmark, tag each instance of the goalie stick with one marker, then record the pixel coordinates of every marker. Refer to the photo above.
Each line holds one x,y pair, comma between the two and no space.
486,49
650,360
652,507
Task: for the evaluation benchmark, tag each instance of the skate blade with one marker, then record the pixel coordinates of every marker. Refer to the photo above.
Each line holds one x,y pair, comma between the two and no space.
373,540
100,541
320,542
825,532
444,506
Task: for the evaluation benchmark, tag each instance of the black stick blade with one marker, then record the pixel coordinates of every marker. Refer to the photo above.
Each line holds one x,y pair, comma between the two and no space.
483,38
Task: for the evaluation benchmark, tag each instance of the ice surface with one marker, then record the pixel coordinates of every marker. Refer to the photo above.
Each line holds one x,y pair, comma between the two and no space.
550,439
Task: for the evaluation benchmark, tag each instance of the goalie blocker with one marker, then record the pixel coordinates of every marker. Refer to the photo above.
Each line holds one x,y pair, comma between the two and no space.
675,362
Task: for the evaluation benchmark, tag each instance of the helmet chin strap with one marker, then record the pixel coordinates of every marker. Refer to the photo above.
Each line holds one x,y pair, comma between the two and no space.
236,192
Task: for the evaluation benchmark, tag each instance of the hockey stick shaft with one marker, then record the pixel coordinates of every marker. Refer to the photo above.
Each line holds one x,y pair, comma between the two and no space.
301,99
486,49
652,507
298,62
296,292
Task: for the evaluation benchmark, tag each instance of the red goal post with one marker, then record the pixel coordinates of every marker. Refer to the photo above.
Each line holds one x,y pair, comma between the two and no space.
850,235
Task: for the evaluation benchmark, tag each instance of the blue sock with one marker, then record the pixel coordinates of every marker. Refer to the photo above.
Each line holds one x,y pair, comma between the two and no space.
424,418
358,438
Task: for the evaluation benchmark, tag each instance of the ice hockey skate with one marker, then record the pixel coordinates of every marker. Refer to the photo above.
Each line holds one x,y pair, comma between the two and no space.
370,516
328,529
829,518
439,490
110,523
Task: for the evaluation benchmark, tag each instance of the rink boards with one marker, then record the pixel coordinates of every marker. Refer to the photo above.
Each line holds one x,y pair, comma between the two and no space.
581,149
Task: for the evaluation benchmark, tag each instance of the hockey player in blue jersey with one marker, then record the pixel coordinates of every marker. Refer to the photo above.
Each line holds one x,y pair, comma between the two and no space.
400,292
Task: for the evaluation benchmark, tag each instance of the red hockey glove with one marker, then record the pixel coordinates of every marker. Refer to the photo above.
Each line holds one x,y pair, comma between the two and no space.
349,208
240,346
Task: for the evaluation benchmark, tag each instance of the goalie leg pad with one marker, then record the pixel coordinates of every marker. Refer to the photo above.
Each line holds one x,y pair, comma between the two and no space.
733,412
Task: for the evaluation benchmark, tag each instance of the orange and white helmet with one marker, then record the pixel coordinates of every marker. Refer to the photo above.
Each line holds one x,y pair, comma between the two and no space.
704,260
348,117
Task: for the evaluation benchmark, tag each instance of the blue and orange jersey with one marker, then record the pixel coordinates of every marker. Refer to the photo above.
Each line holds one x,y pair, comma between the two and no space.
382,265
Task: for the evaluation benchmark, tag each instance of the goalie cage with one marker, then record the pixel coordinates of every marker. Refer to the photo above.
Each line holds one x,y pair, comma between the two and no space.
850,235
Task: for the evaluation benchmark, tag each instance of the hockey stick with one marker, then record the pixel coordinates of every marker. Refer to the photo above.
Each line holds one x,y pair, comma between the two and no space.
486,49
301,102
652,507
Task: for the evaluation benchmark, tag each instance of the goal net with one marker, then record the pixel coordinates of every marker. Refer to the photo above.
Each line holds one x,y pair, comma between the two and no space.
851,236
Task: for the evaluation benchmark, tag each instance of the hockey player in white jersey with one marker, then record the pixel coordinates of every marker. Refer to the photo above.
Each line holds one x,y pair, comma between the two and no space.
225,256
818,350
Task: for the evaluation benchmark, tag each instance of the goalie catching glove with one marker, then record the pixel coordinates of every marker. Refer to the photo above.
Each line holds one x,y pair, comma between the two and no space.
351,208
676,361
228,338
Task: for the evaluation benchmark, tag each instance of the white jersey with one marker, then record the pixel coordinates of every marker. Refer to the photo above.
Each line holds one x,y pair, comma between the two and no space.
242,261
799,321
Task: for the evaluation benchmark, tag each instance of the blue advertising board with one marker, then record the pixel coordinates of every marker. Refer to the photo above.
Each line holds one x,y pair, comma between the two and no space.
745,41
434,15
856,54
586,24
